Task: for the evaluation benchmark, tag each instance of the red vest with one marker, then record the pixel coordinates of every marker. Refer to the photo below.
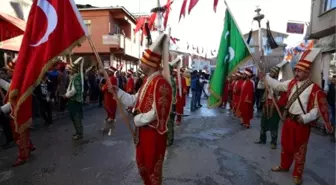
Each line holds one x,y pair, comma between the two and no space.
157,91
316,94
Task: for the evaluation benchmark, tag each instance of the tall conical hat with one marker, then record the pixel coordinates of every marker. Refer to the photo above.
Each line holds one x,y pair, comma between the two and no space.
75,66
78,66
248,72
307,58
139,71
176,63
275,70
313,56
130,72
286,71
153,55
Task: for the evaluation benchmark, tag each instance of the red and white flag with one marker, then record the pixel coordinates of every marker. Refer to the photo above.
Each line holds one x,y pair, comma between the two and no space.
53,28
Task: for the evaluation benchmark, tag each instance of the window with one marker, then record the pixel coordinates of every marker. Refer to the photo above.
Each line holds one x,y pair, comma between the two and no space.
278,39
88,26
328,4
116,29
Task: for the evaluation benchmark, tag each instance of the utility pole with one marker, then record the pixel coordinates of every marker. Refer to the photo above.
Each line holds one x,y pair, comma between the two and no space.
159,19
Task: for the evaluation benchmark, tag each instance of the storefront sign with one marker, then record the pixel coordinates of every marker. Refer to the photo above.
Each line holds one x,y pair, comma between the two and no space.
295,27
111,39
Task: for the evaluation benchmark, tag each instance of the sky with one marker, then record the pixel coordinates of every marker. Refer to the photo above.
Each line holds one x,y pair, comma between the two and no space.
203,27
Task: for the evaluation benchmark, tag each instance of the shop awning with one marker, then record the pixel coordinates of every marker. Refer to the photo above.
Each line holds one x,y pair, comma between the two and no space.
12,44
10,26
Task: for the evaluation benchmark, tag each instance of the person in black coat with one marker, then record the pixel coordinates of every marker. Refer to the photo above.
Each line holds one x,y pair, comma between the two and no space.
43,92
4,118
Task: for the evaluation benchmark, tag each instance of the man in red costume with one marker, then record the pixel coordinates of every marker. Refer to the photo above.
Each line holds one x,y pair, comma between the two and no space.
230,88
306,102
152,104
237,92
245,105
225,94
130,86
233,85
110,103
180,98
21,139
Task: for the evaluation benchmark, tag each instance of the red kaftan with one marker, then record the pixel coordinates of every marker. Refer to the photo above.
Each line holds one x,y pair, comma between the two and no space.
245,105
237,93
110,103
152,144
225,93
180,100
130,86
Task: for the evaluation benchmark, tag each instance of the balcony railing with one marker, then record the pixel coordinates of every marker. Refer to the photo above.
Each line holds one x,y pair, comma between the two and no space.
118,40
131,48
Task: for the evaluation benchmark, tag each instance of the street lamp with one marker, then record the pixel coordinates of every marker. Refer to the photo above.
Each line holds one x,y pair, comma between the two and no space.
258,17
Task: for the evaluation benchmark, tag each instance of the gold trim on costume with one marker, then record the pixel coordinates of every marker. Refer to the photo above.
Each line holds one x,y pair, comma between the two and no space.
151,64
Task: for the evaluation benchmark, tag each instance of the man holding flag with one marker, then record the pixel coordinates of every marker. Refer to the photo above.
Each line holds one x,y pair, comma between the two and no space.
232,52
48,22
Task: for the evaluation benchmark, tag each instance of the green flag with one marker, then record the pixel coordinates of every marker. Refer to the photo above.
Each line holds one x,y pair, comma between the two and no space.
232,52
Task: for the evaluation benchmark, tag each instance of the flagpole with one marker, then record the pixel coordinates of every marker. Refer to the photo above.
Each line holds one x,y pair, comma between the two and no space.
253,59
120,106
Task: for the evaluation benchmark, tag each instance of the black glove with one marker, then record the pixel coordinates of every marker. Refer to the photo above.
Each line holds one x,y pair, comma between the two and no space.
136,112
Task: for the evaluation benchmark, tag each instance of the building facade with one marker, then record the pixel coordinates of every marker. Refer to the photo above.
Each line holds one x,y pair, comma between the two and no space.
112,31
271,56
323,28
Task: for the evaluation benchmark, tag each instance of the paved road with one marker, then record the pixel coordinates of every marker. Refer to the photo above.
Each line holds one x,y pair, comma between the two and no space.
211,148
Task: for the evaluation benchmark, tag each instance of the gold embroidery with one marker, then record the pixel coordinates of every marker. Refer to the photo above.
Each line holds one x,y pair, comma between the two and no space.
156,176
163,103
300,158
164,92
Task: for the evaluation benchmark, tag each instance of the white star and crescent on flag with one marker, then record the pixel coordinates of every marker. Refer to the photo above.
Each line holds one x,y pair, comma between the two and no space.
51,14
231,50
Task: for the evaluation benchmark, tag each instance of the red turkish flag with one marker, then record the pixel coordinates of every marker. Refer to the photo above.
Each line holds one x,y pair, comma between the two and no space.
192,4
53,28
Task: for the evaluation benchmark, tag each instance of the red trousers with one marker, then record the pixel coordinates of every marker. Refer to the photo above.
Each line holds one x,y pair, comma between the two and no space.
111,111
294,141
23,141
110,105
150,154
